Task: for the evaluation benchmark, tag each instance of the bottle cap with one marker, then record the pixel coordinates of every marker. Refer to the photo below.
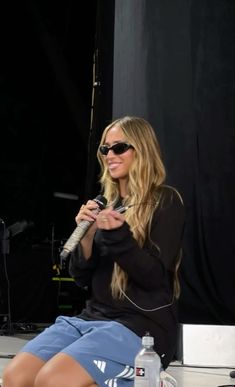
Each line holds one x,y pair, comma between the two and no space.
147,340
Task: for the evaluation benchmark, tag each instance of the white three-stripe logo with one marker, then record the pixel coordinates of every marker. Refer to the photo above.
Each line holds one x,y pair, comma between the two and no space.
111,382
127,373
100,364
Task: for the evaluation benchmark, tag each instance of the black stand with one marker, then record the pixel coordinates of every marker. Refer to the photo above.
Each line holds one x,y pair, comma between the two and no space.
6,326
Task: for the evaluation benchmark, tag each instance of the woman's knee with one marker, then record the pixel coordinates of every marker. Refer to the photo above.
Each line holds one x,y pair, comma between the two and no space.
52,379
14,377
9,377
63,371
21,371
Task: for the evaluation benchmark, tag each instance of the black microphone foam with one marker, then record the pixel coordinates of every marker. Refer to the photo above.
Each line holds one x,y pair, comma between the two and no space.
81,229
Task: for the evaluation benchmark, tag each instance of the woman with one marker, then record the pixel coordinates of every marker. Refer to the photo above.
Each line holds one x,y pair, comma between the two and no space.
128,260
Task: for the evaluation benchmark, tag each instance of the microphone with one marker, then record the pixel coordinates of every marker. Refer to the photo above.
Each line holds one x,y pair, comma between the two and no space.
81,229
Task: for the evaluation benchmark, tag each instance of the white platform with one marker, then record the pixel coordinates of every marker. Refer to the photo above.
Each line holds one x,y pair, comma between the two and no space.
10,345
207,345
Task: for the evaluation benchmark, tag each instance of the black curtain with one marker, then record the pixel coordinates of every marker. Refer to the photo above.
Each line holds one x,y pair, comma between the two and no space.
45,110
174,65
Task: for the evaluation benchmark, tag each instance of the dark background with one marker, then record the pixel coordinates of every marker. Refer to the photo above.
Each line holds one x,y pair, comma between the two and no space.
66,71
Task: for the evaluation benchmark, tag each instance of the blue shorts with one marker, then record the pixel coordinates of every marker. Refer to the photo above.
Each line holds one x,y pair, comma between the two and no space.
106,349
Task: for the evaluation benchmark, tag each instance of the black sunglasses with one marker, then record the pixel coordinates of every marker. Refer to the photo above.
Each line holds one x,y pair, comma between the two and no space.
118,149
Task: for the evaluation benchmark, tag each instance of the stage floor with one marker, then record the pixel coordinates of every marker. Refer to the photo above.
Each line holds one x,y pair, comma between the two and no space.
185,376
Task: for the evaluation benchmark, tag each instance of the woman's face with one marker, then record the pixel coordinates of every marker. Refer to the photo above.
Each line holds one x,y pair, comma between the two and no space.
118,165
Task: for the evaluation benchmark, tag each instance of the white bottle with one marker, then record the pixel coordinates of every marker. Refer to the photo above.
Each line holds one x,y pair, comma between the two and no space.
147,365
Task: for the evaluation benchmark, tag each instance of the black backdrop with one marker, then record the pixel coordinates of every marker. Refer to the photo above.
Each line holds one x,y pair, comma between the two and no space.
45,111
170,62
174,65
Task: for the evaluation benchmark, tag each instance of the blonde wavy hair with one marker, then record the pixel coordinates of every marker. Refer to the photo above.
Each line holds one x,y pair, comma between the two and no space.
146,176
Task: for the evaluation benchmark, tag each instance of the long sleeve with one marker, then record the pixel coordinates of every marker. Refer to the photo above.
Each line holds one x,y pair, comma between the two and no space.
147,266
82,269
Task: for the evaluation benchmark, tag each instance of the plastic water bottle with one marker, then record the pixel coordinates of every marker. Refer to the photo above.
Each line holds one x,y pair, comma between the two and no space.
147,365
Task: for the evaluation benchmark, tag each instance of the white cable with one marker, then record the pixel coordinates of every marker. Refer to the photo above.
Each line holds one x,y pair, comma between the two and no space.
143,309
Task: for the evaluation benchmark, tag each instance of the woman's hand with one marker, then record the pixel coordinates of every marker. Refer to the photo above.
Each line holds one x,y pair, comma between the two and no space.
109,219
87,212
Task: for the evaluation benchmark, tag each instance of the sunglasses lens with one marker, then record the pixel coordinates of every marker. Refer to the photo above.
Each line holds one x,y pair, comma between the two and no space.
120,148
117,149
104,150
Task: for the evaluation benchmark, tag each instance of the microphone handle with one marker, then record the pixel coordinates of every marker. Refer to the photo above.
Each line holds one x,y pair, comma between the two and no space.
74,238
81,229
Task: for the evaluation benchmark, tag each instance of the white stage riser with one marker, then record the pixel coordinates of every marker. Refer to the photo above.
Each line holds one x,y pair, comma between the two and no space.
207,345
